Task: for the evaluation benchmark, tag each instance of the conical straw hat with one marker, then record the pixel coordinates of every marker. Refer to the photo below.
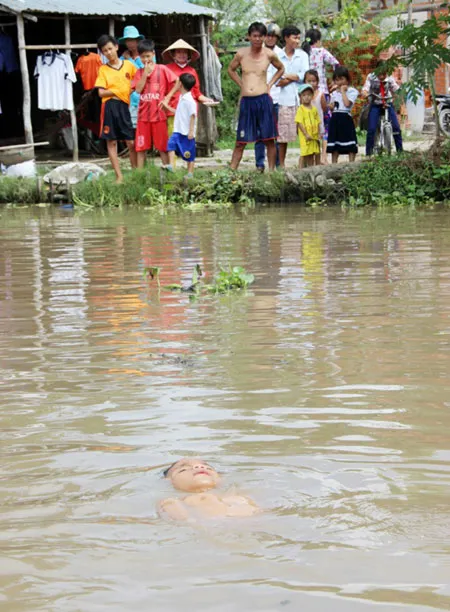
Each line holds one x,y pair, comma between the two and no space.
180,44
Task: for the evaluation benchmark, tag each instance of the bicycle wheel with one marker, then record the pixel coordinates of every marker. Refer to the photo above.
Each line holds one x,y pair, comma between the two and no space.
444,121
378,142
387,137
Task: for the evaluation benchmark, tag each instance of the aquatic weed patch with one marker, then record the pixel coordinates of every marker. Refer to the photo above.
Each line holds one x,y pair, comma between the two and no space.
233,278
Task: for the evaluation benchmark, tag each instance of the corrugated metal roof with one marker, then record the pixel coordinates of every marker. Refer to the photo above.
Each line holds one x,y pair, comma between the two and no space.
108,7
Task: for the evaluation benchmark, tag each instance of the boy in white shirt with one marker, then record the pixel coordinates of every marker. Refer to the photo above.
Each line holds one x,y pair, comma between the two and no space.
182,141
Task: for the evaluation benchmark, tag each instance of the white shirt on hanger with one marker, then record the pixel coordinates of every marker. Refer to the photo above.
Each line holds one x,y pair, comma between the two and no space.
55,76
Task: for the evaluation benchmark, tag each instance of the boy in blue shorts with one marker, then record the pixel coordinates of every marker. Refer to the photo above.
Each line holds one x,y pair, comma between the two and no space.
257,121
182,141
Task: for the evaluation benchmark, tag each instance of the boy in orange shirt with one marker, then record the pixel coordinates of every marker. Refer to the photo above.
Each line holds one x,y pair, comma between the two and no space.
153,83
114,88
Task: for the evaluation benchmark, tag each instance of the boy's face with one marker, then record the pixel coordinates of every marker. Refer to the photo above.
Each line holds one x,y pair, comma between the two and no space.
147,57
340,81
306,96
110,51
256,39
193,475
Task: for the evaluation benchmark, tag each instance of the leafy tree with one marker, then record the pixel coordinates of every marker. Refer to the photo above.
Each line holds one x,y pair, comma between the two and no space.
424,49
295,12
230,26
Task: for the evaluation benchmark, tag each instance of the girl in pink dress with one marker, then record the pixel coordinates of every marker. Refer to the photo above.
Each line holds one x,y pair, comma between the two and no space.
319,57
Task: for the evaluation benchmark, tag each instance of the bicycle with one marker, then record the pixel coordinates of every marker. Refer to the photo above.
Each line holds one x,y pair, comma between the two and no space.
384,135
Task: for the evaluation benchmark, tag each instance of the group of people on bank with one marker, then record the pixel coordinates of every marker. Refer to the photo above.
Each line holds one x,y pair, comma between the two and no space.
146,104
285,95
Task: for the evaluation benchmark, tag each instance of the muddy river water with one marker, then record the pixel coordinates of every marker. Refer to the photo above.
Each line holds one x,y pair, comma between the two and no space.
322,392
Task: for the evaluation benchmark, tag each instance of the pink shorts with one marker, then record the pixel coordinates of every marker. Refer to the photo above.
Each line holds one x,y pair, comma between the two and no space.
287,128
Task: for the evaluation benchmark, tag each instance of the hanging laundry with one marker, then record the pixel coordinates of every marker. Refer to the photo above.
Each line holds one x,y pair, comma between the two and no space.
55,75
87,66
213,68
8,61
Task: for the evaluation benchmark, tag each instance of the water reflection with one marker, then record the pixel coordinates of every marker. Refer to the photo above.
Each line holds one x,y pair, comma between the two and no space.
322,393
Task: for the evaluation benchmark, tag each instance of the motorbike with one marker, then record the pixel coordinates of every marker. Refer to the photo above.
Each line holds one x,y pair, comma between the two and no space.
443,104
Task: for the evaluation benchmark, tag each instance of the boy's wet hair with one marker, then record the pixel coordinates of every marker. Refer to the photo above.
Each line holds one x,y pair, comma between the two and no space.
167,470
341,71
145,45
105,39
289,31
257,26
187,80
313,73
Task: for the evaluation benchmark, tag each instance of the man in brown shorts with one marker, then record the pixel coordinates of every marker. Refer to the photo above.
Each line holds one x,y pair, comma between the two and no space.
257,120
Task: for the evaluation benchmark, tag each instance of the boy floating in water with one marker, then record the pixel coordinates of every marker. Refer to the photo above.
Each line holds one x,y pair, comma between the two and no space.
195,476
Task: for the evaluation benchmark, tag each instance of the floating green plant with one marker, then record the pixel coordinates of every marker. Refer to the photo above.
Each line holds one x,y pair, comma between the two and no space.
228,279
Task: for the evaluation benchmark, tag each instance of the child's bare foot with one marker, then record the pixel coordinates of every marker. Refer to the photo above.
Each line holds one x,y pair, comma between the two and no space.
119,180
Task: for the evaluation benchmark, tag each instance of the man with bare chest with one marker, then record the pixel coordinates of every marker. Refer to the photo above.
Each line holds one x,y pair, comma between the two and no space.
256,113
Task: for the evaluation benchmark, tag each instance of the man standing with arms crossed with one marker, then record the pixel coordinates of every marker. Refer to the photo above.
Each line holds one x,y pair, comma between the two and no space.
272,39
296,63
256,113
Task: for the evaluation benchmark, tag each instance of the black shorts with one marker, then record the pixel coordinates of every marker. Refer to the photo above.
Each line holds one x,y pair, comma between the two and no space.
116,121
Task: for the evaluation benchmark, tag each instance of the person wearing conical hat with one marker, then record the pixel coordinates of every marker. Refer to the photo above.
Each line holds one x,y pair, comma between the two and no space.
178,57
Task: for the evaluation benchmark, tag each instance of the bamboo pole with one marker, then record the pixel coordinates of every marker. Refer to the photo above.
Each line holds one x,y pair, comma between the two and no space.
204,44
111,26
26,109
73,117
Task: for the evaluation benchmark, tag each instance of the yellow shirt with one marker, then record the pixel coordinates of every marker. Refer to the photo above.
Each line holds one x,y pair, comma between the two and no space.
310,120
117,80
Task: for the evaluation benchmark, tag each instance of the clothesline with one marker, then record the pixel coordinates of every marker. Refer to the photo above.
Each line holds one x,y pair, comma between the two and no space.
56,47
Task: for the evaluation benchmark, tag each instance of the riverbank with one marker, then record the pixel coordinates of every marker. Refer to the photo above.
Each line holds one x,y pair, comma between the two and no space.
421,177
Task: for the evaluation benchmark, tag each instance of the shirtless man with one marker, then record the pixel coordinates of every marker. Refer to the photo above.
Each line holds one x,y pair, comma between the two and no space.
195,476
256,113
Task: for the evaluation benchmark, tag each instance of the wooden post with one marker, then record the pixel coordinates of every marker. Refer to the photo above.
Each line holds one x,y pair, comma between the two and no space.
204,44
111,26
73,117
25,81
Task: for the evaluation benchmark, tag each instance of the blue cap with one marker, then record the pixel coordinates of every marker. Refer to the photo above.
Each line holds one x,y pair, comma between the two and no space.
304,87
130,32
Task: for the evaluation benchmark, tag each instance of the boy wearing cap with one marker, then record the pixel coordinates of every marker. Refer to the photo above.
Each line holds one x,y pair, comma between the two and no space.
114,88
130,39
309,126
152,82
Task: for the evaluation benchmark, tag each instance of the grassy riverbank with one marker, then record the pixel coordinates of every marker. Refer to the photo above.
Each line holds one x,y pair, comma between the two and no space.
413,179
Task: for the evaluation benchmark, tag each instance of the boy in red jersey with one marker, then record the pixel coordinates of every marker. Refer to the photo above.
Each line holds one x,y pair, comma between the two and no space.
153,83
